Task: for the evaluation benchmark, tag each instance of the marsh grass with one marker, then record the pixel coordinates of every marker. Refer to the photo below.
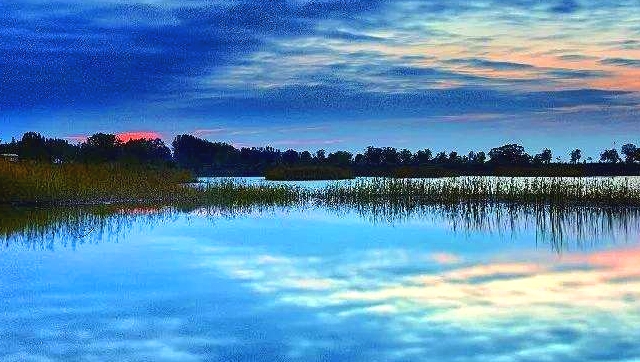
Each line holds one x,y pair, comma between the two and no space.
72,184
486,190
78,184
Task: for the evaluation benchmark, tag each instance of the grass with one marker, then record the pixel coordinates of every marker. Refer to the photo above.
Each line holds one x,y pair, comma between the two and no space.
559,206
73,184
532,191
77,184
23,184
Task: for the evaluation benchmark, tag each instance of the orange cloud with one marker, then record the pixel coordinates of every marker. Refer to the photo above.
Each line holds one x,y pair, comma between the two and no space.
128,136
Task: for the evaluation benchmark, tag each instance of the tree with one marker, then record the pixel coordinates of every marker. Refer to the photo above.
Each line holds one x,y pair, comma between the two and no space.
101,147
320,156
543,157
512,154
576,155
146,151
373,156
340,158
390,156
481,158
305,157
32,146
610,156
454,157
441,158
290,157
629,151
423,156
406,157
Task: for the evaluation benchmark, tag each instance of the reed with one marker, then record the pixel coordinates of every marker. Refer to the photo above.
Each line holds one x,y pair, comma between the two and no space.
532,191
77,184
69,184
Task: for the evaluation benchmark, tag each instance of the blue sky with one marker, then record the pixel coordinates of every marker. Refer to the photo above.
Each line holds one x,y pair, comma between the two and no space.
331,74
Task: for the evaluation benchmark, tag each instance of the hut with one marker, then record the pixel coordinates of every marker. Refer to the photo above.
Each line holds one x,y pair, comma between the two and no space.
11,157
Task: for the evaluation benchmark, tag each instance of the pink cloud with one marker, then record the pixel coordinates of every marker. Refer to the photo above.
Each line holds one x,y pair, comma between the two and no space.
445,258
128,136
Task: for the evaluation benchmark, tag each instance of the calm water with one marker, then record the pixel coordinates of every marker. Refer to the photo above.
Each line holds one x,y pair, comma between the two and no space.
323,285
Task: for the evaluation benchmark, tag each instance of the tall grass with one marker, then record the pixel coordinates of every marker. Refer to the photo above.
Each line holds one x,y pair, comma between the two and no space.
73,184
47,184
536,191
79,184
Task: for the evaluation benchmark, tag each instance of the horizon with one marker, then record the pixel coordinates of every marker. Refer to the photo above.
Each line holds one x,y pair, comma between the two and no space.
326,74
130,136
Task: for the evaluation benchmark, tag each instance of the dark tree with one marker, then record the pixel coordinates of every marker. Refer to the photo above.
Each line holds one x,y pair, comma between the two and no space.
629,151
576,155
146,151
423,157
290,157
306,157
406,157
390,156
454,158
320,156
101,147
610,156
340,158
33,146
441,158
373,156
512,154
481,158
543,157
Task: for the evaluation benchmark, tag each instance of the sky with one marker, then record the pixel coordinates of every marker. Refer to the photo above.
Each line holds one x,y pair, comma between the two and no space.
332,74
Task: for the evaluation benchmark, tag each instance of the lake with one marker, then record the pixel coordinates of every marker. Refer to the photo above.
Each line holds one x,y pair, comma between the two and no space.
320,284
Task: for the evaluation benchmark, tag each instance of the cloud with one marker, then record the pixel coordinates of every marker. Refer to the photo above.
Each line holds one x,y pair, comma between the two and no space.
489,64
347,101
128,136
565,7
622,62
101,52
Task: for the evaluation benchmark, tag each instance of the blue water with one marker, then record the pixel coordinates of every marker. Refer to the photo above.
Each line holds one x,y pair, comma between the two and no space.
317,285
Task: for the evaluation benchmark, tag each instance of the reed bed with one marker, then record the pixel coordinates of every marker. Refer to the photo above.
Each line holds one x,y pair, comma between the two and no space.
72,184
533,191
78,184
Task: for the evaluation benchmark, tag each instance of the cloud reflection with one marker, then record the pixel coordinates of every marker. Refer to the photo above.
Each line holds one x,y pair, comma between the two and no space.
564,304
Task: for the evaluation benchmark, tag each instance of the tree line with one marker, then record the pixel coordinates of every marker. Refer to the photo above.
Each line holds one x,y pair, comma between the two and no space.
207,157
99,148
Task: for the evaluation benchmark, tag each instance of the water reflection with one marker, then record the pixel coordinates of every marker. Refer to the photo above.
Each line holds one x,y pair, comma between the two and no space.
558,227
463,283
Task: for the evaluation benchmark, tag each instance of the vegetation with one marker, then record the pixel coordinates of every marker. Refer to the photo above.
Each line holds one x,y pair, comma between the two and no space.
481,190
204,157
53,184
558,226
305,173
99,148
73,184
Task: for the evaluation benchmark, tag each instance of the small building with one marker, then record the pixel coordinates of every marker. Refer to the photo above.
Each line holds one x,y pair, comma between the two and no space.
11,157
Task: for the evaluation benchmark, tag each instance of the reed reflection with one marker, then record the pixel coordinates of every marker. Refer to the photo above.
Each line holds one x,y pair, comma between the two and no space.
557,226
